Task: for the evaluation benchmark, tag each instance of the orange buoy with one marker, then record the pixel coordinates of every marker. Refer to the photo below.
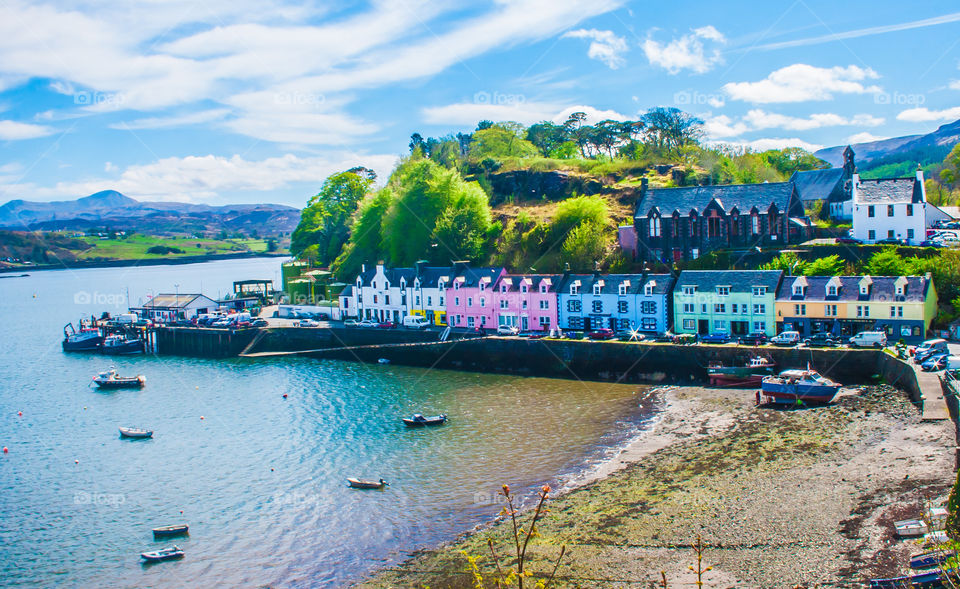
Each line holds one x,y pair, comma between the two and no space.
76,462
284,395
5,450
20,413
201,417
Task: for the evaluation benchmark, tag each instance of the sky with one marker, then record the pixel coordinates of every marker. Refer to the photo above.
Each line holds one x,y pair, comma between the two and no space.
230,101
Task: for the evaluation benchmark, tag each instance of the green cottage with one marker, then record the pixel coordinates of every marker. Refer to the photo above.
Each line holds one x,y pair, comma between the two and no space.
735,302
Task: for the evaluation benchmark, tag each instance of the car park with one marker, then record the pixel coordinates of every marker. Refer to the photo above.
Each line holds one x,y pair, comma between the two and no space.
822,340
307,323
849,239
786,338
930,345
754,339
720,337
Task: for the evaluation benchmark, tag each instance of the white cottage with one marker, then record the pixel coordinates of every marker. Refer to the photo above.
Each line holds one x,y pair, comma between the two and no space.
889,209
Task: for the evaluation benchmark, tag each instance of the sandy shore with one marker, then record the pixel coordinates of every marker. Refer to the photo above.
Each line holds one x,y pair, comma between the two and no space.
781,498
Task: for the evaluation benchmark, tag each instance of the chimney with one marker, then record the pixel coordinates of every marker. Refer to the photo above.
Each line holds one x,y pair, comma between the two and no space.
459,267
363,267
644,184
919,174
420,266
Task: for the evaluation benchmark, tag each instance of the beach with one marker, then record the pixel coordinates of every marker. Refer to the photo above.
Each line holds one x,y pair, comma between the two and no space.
780,498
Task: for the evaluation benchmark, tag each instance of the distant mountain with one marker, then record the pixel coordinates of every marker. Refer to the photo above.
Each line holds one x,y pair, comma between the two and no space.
118,211
913,149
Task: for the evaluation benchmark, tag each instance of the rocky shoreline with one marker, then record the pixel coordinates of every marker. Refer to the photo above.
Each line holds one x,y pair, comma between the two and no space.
781,498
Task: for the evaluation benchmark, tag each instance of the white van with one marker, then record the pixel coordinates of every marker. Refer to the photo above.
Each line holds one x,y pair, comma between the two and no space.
415,322
127,318
786,338
868,339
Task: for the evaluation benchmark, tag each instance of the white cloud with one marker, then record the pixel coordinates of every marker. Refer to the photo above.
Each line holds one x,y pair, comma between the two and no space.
801,82
776,143
924,114
605,46
864,138
468,113
12,131
194,118
687,52
759,119
955,85
722,126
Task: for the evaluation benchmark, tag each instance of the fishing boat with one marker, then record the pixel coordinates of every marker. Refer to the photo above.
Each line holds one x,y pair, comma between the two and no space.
174,530
799,386
86,340
749,374
109,379
136,432
910,528
169,553
926,580
366,484
118,345
930,559
419,420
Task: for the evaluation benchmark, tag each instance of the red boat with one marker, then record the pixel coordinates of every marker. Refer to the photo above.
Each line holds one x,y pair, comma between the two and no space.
751,374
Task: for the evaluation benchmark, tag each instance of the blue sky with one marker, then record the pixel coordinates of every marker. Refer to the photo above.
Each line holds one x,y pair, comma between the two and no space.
259,100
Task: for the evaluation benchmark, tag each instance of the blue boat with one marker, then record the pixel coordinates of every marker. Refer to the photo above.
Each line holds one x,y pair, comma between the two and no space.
85,340
795,387
929,580
930,559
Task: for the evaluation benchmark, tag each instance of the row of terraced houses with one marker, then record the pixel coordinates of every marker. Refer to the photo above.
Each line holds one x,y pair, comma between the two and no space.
736,302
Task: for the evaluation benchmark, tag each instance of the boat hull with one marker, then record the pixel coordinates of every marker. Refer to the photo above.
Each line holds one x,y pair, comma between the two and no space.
121,383
131,433
787,393
725,379
127,348
923,580
91,344
168,531
358,484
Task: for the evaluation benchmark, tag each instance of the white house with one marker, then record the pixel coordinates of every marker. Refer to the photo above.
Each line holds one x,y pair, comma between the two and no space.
890,208
168,307
426,293
382,293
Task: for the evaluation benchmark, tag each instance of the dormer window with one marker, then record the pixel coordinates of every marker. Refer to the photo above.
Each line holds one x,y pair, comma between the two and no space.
689,290
483,286
503,288
622,289
799,290
574,289
832,290
523,288
543,288
648,290
596,289
723,291
456,285
865,289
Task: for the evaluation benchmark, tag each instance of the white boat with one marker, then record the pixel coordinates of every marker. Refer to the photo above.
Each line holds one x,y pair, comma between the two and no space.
136,432
910,528
168,553
109,379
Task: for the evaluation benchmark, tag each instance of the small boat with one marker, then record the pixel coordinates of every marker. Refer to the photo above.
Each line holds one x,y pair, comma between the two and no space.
930,559
174,530
794,387
169,553
934,538
383,361
109,379
135,432
750,374
118,345
910,528
419,420
85,340
365,484
926,580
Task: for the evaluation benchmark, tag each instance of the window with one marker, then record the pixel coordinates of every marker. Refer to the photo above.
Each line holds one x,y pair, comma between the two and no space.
386,299
832,290
755,223
772,221
909,210
900,290
483,320
871,235
713,226
598,306
504,304
649,307
689,290
417,300
799,290
648,324
524,289
889,210
483,301
483,286
689,324
689,308
759,291
523,304
573,306
648,290
655,227
456,285
723,291
429,301
442,304
909,233
720,324
800,310
871,212
760,309
622,290
544,305
693,225
596,288
456,301
720,308
759,326
576,322
574,289
863,311
899,312
703,308
543,289
469,301
544,321
622,306
503,288
470,321
374,299
694,253
830,310
890,234
734,308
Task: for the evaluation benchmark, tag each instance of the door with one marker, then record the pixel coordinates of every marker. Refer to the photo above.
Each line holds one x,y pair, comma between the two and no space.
586,324
524,321
703,326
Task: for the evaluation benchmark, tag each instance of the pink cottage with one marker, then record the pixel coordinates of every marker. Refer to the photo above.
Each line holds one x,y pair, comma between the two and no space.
470,297
527,302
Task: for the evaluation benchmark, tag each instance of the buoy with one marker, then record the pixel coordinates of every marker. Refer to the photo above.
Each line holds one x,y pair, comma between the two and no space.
19,413
181,511
201,417
84,407
76,462
5,450
284,395
271,470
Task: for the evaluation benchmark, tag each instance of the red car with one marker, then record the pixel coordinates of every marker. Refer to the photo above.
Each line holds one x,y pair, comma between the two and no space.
387,325
602,333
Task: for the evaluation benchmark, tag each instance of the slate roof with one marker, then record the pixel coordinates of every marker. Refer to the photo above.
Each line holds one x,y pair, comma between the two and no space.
889,191
472,276
513,281
737,280
430,275
882,289
743,197
347,291
611,283
172,301
820,185
393,275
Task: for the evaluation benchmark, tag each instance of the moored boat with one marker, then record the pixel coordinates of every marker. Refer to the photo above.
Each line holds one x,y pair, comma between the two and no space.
366,484
922,580
749,374
136,432
930,559
910,528
799,386
118,345
174,530
169,553
109,379
419,420
86,340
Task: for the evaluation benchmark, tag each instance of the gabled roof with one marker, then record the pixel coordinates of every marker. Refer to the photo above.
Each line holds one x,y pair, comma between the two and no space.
173,301
882,289
513,281
820,185
347,291
430,276
470,276
611,283
743,197
889,191
737,280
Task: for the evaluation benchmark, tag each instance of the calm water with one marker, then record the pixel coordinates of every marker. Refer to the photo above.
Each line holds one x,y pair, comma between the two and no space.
260,479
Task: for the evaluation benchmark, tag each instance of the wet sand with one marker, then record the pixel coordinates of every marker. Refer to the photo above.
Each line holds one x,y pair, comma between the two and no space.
781,498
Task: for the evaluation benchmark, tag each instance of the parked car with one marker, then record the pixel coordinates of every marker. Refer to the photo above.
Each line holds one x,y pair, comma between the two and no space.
754,339
935,362
387,325
259,323
221,323
928,347
533,334
507,330
867,339
351,323
415,322
932,243
849,239
720,337
666,338
602,333
822,340
786,338
889,241
631,336
307,323
367,323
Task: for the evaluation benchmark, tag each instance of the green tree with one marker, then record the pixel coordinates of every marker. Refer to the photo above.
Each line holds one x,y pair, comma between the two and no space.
576,211
828,266
499,141
366,236
789,262
886,262
324,223
585,246
461,232
547,136
667,129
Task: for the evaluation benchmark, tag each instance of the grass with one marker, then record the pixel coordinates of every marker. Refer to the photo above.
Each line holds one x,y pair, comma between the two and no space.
136,246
